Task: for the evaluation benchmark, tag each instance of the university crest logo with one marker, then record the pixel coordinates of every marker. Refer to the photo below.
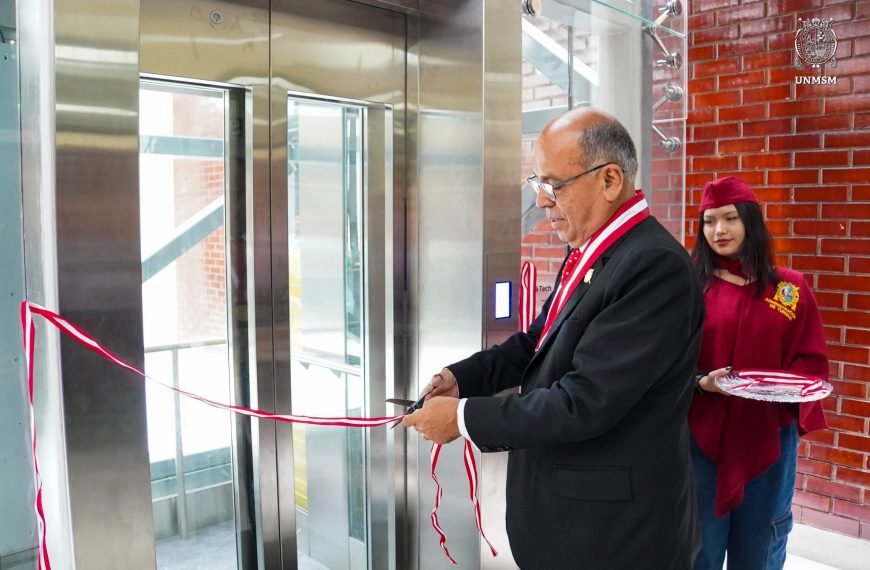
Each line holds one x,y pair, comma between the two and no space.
815,43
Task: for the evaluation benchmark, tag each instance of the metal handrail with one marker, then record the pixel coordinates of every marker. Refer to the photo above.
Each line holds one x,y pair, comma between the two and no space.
186,236
328,364
180,482
183,345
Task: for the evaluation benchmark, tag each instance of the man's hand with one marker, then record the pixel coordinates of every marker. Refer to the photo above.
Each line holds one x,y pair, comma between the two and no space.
442,384
436,421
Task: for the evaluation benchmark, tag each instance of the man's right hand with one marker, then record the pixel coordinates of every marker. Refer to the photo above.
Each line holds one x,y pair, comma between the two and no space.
442,384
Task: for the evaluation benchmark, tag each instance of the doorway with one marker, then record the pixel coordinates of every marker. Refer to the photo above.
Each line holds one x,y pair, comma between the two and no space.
271,155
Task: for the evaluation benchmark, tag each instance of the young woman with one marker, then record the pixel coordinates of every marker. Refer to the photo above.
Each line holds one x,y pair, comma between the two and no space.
758,317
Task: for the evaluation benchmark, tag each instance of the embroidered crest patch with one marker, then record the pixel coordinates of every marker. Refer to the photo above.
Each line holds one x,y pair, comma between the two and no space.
785,299
787,294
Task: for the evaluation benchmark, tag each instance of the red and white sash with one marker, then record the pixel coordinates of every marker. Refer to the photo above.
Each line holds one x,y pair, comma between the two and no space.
528,295
626,217
29,337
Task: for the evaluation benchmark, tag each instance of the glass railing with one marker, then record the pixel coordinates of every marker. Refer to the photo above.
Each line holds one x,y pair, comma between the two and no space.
660,15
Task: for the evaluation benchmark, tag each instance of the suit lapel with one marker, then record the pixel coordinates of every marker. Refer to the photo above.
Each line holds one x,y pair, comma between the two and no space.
572,303
580,291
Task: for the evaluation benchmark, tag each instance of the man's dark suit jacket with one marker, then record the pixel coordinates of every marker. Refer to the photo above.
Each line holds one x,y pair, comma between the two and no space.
599,475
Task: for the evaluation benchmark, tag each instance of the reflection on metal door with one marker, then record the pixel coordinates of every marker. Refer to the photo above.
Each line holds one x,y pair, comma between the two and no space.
328,150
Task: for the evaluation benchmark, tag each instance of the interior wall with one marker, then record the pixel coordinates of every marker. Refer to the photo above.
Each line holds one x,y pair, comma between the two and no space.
18,531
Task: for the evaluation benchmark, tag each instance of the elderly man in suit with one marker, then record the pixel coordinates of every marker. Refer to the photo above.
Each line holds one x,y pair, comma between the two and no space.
599,475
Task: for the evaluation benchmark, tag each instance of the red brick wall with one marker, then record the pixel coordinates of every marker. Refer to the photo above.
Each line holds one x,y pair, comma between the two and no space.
200,272
806,150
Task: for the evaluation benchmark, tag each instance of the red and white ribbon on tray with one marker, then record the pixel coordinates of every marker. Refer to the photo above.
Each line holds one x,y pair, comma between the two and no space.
808,385
66,327
528,294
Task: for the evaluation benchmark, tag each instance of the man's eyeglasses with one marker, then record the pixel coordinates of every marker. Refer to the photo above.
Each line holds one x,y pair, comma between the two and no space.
549,188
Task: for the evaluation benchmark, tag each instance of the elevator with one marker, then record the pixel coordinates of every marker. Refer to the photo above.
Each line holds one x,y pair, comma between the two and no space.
281,129
294,206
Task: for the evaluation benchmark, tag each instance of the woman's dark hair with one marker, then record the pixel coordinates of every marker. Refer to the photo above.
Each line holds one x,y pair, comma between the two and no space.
755,255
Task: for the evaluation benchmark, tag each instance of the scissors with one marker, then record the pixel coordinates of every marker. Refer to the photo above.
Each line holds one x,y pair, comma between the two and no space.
411,406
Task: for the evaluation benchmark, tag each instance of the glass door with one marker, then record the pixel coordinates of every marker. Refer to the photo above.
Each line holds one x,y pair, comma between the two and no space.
338,173
187,145
330,150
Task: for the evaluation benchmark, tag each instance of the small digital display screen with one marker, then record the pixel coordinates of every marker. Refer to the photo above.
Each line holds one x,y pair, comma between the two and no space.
503,299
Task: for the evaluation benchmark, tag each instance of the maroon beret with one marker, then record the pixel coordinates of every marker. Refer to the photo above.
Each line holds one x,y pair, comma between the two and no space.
724,191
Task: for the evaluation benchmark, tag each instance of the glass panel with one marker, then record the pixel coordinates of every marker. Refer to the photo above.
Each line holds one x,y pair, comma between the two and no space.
184,296
623,9
625,57
325,185
18,529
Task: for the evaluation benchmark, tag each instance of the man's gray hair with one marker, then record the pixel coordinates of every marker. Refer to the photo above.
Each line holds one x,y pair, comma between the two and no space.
608,141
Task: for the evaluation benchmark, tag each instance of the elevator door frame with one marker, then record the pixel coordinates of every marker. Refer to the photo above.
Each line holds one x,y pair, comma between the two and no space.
228,45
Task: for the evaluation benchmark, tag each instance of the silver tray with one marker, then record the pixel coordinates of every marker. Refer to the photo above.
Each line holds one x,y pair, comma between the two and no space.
769,392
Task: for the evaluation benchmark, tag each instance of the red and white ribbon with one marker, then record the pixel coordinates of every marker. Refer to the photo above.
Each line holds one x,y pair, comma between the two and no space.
66,327
86,340
626,217
471,472
29,330
528,294
809,385
434,452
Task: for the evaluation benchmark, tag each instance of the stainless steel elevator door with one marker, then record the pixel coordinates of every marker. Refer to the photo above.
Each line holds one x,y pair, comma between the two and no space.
338,96
313,95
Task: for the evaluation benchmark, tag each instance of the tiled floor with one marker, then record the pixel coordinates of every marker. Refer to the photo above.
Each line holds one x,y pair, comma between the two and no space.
824,550
798,563
212,548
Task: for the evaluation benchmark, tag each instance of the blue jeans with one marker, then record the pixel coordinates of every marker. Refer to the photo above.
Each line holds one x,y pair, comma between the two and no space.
755,532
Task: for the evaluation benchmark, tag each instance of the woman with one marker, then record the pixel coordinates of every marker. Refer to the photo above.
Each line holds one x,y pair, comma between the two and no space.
763,317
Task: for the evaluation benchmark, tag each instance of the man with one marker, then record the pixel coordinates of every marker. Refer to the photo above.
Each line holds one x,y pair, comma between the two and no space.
599,475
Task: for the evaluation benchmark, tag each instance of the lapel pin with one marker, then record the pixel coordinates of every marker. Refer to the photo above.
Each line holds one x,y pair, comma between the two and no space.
588,278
